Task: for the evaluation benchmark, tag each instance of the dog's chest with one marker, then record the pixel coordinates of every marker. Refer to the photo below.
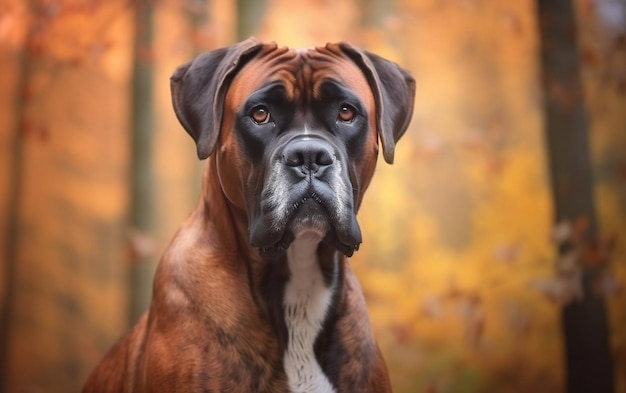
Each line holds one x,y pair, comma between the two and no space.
306,301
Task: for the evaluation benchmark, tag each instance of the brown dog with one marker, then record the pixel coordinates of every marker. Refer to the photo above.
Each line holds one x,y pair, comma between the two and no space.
254,294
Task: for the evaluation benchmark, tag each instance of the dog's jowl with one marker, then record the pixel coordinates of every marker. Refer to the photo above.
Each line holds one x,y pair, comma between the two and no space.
254,293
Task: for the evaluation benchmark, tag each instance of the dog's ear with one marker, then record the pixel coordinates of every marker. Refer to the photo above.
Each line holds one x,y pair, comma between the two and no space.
394,91
199,88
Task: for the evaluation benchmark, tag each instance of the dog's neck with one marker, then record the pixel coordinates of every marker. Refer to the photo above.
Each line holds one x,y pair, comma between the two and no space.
232,227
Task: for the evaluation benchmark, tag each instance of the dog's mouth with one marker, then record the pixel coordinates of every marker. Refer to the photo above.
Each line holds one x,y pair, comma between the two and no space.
273,232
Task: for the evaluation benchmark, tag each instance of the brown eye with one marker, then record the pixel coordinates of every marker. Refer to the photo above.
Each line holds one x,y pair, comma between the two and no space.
346,113
260,115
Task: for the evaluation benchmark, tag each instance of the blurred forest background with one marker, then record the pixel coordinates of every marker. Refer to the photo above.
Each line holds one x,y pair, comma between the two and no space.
494,255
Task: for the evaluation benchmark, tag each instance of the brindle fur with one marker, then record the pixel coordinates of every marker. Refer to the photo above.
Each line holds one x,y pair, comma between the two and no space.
216,320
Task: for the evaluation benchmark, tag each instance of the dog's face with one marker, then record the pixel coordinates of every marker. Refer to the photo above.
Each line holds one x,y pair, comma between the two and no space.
303,122
297,136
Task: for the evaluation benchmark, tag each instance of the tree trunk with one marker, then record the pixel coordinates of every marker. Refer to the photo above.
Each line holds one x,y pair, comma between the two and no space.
12,209
589,365
142,214
250,13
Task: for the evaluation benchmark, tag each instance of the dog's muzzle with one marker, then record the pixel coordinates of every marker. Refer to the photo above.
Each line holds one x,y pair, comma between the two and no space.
307,188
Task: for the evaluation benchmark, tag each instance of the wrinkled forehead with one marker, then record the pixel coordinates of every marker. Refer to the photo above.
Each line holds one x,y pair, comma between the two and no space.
301,72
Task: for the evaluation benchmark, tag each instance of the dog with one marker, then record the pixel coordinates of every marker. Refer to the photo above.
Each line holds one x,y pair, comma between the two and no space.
254,293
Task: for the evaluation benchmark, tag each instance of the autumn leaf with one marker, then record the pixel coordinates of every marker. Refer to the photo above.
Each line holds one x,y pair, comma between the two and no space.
606,284
560,290
141,244
562,232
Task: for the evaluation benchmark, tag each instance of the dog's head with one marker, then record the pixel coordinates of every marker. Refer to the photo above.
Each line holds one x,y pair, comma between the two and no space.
294,133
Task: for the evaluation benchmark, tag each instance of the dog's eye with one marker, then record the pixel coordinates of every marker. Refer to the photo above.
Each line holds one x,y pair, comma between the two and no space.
260,115
346,113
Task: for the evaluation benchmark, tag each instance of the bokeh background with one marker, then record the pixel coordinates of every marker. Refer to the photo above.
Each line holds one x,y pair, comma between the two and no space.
460,268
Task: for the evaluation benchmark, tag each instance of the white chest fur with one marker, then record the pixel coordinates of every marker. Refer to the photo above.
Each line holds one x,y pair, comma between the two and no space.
306,303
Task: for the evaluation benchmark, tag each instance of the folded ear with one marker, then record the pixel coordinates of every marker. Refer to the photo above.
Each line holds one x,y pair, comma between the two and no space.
394,91
199,88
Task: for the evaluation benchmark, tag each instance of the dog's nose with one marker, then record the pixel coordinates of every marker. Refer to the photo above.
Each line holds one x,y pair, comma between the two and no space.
308,155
